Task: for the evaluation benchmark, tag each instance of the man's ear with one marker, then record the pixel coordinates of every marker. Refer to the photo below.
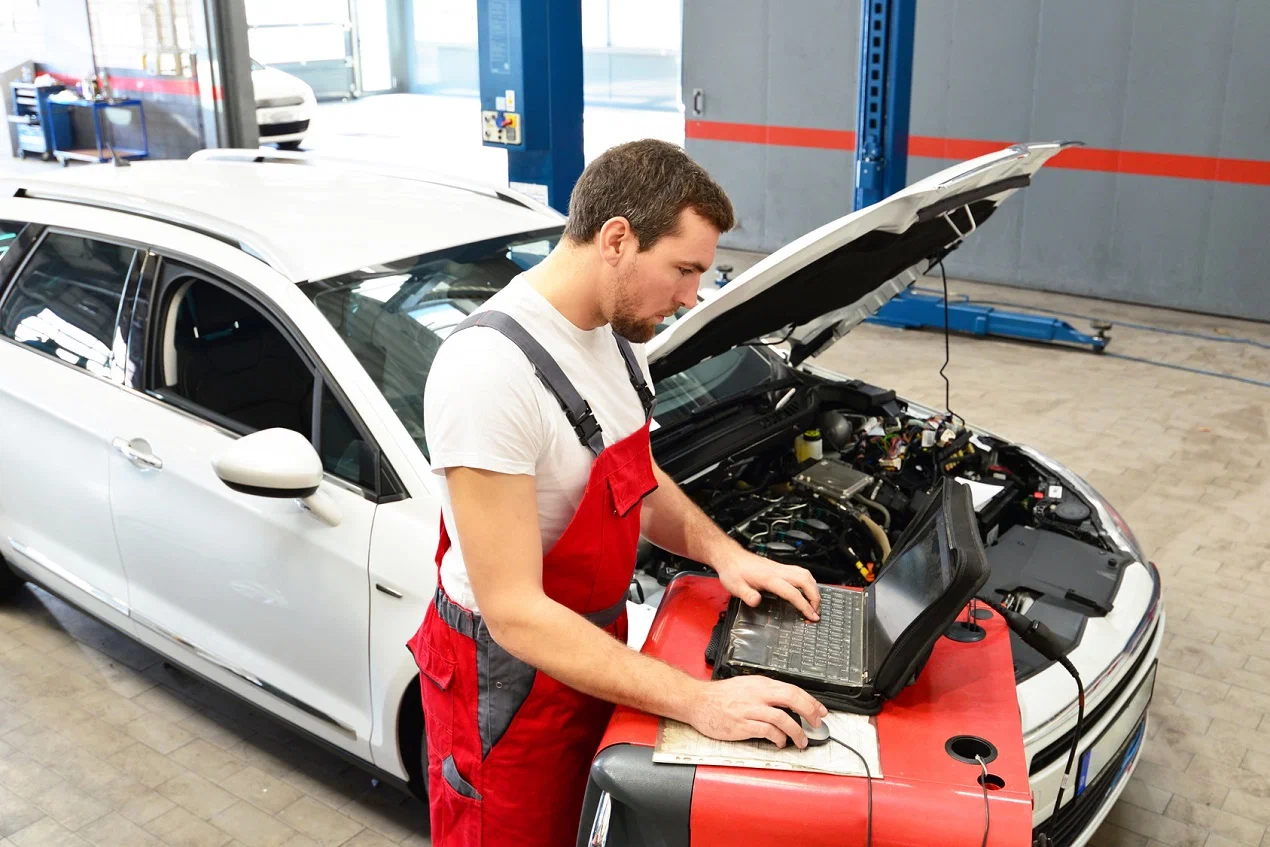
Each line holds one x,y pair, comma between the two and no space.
616,238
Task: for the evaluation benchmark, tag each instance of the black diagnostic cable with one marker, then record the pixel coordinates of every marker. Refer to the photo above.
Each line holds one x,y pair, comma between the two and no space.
1080,725
947,349
868,777
1045,641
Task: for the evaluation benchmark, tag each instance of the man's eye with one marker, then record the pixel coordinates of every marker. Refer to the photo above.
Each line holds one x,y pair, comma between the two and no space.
685,271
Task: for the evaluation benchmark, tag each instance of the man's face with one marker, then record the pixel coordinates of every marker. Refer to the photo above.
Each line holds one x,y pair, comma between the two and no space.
648,286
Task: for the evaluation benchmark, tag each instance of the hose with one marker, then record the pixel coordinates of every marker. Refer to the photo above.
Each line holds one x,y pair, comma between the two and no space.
885,512
878,535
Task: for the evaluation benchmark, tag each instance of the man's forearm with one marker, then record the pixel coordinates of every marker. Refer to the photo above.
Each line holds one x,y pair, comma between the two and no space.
566,646
677,525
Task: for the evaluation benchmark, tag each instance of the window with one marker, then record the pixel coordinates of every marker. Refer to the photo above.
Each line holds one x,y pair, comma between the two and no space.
220,356
395,317
66,300
9,235
343,450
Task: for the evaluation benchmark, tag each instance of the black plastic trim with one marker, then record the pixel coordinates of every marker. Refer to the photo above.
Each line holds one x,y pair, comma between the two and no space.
277,493
289,128
651,802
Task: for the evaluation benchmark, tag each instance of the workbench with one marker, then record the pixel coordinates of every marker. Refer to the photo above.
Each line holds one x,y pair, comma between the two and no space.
925,797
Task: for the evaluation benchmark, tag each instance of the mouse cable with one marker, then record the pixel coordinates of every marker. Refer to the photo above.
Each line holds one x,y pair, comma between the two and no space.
987,811
868,777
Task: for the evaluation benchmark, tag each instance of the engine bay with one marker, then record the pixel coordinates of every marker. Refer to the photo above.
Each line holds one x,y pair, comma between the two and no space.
837,495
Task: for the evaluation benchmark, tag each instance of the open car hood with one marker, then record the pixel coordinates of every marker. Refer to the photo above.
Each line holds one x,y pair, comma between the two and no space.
834,277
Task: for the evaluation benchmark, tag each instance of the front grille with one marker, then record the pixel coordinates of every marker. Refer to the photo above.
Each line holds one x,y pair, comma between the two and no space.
1073,818
279,102
1059,749
284,129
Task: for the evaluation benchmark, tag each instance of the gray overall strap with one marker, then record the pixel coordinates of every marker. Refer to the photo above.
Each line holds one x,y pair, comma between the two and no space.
576,410
646,398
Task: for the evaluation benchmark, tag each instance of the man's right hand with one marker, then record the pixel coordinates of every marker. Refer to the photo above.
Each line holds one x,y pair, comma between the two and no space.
750,707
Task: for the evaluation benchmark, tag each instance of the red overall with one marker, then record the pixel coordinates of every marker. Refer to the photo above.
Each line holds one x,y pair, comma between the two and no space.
509,748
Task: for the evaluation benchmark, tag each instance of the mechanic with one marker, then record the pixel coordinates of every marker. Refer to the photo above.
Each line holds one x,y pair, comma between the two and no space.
537,410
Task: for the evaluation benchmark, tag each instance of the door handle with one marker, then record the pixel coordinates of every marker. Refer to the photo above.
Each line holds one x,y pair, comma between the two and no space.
138,452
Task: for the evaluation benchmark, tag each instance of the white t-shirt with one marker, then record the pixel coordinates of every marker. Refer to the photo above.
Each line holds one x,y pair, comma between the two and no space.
485,408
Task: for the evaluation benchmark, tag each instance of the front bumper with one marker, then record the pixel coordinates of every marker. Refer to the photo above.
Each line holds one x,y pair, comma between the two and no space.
284,123
1120,719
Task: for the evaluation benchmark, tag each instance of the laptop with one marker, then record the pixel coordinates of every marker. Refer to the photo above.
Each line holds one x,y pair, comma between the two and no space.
868,645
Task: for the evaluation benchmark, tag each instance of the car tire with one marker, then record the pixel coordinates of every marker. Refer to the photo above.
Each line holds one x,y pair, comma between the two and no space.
289,145
10,582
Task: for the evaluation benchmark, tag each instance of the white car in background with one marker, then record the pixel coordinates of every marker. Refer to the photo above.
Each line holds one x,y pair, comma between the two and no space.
212,433
285,106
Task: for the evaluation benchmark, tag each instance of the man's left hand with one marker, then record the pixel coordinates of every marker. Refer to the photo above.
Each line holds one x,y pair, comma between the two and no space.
745,575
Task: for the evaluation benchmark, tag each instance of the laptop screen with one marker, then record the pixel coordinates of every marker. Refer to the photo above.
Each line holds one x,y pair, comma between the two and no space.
918,575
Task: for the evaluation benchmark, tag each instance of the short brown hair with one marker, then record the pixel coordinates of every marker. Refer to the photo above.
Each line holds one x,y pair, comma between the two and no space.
648,182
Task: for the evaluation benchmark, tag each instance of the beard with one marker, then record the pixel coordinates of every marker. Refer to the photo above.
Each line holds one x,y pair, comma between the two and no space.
626,320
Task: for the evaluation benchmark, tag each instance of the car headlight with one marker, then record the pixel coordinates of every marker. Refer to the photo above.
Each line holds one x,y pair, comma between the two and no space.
1113,525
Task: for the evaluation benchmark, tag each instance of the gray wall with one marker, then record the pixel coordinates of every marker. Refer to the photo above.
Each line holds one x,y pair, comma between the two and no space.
611,76
1138,76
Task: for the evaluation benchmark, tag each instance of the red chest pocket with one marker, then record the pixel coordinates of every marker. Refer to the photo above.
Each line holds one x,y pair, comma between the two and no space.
631,483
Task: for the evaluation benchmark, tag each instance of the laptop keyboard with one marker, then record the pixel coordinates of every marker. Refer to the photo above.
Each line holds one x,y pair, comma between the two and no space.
828,649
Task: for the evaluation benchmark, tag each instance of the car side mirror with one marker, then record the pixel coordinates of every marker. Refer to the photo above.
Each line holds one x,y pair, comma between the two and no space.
277,463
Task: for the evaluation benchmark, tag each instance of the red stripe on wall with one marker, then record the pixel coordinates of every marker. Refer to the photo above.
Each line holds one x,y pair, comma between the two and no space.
1172,165
784,136
120,84
155,85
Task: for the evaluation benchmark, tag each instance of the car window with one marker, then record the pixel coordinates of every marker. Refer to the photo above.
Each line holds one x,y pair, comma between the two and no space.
220,356
66,300
9,235
343,450
395,317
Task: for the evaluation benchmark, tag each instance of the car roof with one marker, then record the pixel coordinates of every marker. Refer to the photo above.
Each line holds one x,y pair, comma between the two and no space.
307,220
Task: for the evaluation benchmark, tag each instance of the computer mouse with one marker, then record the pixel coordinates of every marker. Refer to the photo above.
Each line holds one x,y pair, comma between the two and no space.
816,735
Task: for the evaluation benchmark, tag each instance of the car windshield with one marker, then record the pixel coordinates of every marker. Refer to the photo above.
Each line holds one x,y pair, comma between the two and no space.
395,316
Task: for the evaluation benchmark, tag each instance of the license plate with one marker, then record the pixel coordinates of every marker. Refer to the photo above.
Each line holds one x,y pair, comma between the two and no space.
1099,755
283,117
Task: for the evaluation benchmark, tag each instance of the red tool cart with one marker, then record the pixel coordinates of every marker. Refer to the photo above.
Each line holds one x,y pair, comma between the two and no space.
932,791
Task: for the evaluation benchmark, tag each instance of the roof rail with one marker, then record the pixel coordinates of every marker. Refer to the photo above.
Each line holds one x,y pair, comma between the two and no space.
269,155
114,200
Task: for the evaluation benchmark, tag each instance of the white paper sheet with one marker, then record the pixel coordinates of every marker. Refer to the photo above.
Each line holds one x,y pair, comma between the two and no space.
678,743
639,620
981,492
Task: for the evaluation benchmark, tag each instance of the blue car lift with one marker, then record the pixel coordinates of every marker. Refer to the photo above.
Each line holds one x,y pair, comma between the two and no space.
530,54
886,76
915,310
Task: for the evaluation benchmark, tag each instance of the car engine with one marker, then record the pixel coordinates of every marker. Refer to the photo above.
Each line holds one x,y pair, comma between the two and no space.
836,498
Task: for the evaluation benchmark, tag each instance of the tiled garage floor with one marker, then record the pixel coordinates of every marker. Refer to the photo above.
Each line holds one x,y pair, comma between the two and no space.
100,743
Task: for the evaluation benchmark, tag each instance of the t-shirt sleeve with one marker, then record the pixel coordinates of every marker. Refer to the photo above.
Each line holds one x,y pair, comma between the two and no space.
481,406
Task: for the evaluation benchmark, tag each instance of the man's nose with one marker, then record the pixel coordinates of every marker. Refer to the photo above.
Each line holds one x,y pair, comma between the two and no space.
688,293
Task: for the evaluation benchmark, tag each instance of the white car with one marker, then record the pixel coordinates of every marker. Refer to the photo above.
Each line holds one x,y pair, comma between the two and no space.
212,425
285,106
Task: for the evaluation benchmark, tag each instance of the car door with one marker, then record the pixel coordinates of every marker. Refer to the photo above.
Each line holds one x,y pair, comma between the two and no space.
257,593
59,348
